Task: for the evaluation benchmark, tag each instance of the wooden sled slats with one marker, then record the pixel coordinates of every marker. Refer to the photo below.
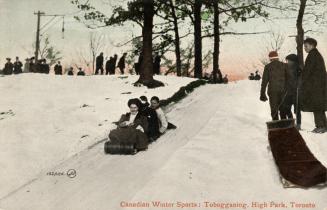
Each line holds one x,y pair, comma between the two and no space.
292,156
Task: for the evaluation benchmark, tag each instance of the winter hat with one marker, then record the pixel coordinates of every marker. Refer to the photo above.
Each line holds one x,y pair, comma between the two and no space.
155,98
134,101
273,55
292,57
144,99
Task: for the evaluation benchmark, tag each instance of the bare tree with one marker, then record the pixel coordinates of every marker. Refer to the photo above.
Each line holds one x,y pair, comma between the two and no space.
96,44
306,12
275,42
47,51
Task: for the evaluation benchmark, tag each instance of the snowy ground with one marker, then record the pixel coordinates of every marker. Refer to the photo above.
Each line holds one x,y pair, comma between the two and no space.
46,118
218,153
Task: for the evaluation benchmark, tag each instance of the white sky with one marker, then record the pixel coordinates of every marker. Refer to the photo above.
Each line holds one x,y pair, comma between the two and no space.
239,54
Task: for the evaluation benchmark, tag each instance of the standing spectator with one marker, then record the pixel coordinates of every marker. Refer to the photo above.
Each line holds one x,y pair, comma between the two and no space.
27,65
121,63
70,72
32,65
99,64
313,87
225,79
113,65
8,69
80,72
45,68
251,77
291,99
156,64
108,65
274,76
138,62
58,68
18,66
257,76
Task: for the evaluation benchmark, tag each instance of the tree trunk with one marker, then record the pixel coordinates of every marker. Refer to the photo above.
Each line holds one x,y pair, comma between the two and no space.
197,39
217,76
93,64
177,40
300,33
146,70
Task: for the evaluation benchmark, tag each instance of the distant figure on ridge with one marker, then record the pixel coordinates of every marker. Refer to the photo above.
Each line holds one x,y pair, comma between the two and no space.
58,68
257,76
80,72
121,63
99,64
8,69
18,66
156,64
70,72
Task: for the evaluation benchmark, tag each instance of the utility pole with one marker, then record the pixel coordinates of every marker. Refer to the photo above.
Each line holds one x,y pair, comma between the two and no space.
37,43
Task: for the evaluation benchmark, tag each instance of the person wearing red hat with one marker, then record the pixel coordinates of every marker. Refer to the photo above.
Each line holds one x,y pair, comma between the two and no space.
275,77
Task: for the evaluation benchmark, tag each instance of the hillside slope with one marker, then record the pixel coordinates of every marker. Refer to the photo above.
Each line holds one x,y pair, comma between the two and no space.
219,153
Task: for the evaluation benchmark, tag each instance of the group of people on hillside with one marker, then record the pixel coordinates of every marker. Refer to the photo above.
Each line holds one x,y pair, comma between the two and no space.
109,68
58,70
255,76
17,67
304,89
143,124
31,67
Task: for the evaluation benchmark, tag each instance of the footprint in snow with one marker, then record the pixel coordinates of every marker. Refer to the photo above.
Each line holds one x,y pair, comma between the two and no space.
4,115
126,93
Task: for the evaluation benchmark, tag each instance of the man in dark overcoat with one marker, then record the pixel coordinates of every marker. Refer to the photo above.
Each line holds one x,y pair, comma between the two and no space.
121,63
108,65
275,77
156,64
99,64
58,68
313,86
8,69
18,66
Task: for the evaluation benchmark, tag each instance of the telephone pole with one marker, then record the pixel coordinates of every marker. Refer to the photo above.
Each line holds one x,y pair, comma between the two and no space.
37,43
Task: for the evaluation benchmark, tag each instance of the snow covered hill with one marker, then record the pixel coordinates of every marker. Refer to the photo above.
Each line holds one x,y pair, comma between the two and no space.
46,119
218,154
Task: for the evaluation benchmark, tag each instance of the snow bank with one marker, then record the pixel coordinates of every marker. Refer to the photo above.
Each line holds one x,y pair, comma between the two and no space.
218,154
46,118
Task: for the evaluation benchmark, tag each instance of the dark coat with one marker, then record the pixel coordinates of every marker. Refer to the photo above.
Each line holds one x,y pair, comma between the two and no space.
58,69
108,64
257,77
275,77
313,85
111,65
156,65
70,73
45,68
121,63
99,61
293,74
18,67
81,73
153,121
129,134
8,68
